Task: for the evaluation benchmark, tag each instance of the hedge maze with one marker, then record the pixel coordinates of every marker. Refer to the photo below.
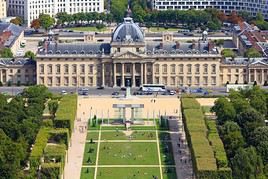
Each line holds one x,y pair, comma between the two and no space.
208,154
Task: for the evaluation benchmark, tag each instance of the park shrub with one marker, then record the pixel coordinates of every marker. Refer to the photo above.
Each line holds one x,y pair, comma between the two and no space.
51,170
190,103
66,112
208,154
47,123
60,135
38,148
55,153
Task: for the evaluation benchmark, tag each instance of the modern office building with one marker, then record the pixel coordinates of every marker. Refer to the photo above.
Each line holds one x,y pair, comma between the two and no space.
3,8
225,5
30,9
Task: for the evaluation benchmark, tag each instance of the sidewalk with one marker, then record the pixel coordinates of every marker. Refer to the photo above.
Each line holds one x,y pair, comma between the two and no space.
181,151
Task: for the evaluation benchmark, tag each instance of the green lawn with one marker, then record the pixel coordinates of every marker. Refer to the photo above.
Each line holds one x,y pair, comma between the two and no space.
84,29
127,153
206,109
87,173
128,173
136,135
90,153
93,135
162,29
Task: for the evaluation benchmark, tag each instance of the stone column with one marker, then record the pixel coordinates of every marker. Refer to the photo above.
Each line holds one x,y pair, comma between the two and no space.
145,73
103,75
114,83
123,74
262,76
133,74
152,70
141,74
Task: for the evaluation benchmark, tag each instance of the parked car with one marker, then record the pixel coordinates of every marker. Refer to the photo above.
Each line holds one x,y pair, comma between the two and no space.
63,92
100,87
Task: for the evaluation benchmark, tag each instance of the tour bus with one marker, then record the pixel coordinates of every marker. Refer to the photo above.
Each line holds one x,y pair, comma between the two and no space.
153,87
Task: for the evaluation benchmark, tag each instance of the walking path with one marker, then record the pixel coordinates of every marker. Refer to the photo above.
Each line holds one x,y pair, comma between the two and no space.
181,152
75,152
126,166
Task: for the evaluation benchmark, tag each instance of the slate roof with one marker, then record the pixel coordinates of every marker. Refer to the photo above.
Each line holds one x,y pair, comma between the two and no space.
17,61
77,48
15,31
128,31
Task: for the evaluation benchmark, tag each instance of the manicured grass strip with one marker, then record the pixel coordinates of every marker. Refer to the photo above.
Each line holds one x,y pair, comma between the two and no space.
92,135
206,109
127,173
128,154
190,103
87,173
136,135
85,29
66,112
90,153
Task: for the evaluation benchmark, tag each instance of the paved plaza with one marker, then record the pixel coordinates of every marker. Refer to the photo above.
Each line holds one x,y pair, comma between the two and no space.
102,107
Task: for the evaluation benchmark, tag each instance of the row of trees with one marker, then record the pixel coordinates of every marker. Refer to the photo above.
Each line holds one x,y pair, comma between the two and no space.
241,125
249,53
20,120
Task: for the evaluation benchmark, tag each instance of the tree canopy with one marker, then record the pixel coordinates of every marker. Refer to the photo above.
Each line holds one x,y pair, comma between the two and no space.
6,53
46,21
252,53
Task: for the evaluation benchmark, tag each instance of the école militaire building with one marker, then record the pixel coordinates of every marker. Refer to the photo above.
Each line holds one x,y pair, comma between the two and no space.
130,57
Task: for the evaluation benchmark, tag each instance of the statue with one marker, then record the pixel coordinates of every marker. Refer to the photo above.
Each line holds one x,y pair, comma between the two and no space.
128,94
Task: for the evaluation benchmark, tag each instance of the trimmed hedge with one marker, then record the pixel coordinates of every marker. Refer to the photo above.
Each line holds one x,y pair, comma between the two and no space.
55,151
208,154
51,170
66,112
38,148
217,144
60,135
190,103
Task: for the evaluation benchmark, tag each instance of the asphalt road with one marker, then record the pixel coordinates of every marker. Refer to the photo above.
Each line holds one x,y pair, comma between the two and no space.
13,90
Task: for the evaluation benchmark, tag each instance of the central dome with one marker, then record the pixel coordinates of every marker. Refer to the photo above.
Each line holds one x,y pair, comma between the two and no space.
128,31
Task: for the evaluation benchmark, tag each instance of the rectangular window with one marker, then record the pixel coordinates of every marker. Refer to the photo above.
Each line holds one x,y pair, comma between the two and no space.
156,69
82,69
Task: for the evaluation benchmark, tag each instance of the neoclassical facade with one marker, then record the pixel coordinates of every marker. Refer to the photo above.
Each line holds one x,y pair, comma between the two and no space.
129,57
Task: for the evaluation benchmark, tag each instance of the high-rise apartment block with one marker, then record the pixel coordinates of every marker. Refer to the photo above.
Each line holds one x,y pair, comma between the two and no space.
31,9
225,5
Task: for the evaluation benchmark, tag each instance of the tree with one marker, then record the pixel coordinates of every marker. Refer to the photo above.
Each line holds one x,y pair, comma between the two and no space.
249,120
228,53
46,21
257,99
252,53
234,18
6,53
245,15
259,139
17,21
53,107
224,110
36,24
232,138
10,157
30,54
247,164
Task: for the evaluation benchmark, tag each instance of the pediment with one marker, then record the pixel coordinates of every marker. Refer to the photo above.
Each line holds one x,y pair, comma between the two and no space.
127,55
258,64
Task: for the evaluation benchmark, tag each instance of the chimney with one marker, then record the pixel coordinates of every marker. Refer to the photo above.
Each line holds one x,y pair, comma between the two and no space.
193,44
161,45
177,45
210,46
